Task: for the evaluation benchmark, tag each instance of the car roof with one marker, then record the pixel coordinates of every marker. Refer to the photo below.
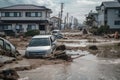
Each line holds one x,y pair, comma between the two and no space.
42,36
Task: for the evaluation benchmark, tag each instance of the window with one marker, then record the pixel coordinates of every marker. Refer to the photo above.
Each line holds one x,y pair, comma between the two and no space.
11,14
41,27
1,43
117,12
17,14
19,28
3,14
31,27
39,42
117,22
7,14
33,14
7,26
28,14
7,47
39,14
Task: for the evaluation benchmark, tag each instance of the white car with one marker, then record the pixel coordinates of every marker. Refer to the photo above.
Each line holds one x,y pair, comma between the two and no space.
7,46
56,32
40,46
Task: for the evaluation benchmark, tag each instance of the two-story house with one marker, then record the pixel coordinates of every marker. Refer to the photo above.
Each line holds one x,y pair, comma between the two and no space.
24,17
109,14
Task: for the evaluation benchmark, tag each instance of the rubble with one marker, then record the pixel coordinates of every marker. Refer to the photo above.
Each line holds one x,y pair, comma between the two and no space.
93,47
59,53
84,31
9,74
116,35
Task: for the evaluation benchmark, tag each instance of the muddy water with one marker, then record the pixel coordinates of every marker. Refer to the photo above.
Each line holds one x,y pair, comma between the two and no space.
88,67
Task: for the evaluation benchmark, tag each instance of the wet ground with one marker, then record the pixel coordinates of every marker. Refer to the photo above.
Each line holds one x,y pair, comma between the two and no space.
88,67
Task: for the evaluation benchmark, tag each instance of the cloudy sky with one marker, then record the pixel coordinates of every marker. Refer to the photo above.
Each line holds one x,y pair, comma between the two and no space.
76,8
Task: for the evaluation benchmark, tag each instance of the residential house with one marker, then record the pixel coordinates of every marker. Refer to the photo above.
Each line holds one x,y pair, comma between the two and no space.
109,14
24,17
55,22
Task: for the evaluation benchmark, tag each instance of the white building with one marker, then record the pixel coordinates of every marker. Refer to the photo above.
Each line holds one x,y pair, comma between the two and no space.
55,22
109,14
21,18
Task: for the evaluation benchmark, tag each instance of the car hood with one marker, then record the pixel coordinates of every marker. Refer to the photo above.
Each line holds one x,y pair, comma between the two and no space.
39,48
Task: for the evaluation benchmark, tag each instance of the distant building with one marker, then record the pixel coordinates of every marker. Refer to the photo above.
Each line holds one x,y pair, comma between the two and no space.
55,22
24,17
109,14
92,17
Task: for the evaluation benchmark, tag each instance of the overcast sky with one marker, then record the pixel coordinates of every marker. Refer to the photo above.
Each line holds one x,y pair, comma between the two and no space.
76,8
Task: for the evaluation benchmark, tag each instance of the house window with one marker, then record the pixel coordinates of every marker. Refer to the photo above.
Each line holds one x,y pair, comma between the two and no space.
39,14
7,27
33,14
117,12
31,27
11,14
28,14
41,27
17,14
19,28
7,14
117,22
3,14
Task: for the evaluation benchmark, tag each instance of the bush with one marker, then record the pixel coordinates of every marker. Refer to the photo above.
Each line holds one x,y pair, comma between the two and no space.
94,30
99,31
103,29
32,33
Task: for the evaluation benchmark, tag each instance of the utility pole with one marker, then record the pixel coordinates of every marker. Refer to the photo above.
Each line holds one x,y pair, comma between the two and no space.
61,15
67,20
65,23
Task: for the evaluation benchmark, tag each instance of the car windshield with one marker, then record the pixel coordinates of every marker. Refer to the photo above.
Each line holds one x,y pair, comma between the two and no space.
39,42
55,32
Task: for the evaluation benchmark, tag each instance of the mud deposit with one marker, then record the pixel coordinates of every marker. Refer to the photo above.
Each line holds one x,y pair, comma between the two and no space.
88,67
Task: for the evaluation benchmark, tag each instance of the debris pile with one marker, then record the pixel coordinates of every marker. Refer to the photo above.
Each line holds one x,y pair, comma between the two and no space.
9,74
93,47
8,53
59,53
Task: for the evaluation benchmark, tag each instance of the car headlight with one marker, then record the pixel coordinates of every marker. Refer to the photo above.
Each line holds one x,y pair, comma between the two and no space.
49,51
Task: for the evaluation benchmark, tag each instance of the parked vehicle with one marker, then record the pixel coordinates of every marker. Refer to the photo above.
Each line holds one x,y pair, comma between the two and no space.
40,46
57,34
7,46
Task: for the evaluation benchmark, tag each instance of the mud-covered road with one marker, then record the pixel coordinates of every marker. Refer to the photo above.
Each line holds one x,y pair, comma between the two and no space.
88,67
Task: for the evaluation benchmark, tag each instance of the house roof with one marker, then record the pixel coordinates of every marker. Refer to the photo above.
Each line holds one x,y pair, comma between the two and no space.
25,7
111,4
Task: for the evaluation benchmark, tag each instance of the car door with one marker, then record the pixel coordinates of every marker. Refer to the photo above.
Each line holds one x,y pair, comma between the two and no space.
53,43
1,43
